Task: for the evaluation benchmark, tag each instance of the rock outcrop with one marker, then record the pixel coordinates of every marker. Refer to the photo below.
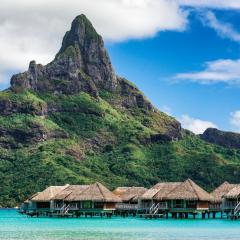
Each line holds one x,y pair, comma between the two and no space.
82,64
225,139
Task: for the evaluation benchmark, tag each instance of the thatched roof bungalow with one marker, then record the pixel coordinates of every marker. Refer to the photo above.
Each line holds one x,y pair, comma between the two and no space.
231,199
159,191
176,195
48,194
94,196
188,195
94,192
44,199
62,195
220,191
234,193
189,190
157,194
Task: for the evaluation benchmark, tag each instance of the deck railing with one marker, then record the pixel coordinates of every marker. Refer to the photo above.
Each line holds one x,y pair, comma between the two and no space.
229,205
215,206
126,206
161,206
71,206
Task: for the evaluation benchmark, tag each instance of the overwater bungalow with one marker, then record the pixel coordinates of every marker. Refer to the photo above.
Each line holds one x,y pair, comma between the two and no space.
189,197
217,196
60,202
93,199
178,197
157,195
130,197
231,201
43,202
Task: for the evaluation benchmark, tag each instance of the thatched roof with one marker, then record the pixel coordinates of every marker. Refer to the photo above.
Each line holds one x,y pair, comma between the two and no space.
94,192
128,194
159,191
234,192
48,194
189,190
62,195
27,200
222,190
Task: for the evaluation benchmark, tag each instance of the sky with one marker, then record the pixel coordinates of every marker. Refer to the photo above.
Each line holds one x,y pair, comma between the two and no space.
183,54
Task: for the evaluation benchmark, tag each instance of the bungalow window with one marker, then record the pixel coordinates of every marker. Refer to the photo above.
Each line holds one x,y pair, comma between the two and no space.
43,205
178,204
191,204
98,205
87,204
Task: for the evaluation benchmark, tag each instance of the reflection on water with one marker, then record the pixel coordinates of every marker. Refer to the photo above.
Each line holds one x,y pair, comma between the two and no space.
14,226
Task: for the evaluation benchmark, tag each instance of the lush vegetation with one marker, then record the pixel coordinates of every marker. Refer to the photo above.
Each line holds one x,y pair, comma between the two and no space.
100,143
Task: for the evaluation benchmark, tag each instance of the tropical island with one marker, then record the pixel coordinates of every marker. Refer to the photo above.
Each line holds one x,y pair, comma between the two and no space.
75,121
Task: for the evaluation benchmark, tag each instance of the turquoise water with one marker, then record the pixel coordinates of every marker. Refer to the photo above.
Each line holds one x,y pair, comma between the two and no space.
14,226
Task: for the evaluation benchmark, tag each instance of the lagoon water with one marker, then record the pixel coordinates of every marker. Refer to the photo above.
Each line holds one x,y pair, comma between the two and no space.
14,226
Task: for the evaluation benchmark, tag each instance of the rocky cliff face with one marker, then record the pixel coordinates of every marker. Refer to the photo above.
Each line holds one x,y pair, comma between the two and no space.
225,139
83,65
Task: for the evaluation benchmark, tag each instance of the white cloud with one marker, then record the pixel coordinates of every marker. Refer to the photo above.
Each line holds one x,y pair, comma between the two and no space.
223,70
217,4
235,120
34,29
223,29
197,126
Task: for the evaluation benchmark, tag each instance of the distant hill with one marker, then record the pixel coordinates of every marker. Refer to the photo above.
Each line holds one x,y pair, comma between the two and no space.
75,121
225,139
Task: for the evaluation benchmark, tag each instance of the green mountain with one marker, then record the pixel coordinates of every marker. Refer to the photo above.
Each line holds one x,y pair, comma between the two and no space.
75,121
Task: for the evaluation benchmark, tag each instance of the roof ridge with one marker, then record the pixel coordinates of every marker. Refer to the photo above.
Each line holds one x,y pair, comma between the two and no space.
177,185
88,186
99,186
192,186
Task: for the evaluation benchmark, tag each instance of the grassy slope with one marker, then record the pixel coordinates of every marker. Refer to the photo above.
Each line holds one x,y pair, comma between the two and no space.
103,144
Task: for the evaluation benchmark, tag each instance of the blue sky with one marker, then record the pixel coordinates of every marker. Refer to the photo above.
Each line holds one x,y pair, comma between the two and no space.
183,54
152,64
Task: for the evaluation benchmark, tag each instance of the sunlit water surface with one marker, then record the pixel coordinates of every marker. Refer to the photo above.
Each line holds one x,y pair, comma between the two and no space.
16,226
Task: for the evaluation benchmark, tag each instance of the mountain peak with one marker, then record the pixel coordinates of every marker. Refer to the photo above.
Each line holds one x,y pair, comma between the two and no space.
81,31
82,64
